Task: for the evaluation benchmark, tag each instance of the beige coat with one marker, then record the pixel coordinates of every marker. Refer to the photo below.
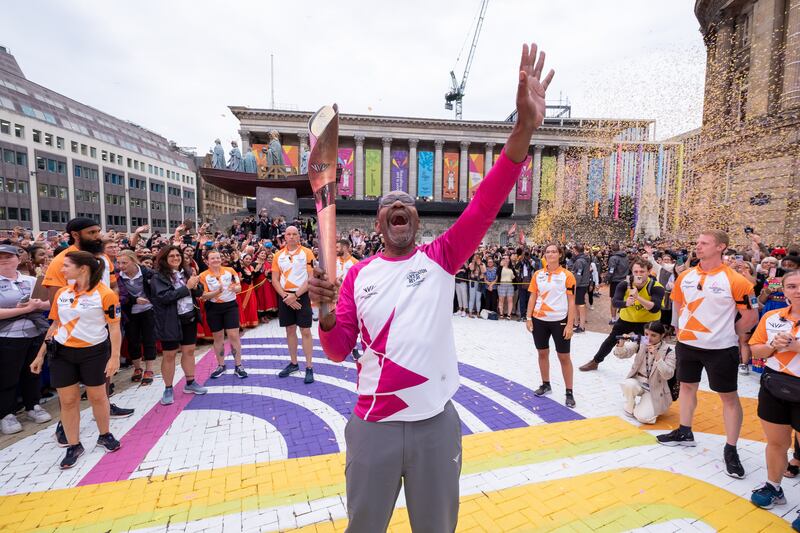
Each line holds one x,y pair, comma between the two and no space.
661,371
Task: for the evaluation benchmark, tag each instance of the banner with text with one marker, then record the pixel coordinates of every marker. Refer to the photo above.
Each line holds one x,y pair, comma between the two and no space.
346,157
425,174
398,171
372,172
450,175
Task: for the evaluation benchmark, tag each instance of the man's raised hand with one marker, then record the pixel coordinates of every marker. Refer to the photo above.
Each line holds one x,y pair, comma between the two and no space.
531,88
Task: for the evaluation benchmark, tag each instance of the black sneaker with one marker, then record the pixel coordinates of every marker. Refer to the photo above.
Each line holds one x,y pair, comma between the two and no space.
543,389
733,466
240,372
218,372
73,452
570,401
289,369
108,442
61,436
309,376
120,412
579,330
677,438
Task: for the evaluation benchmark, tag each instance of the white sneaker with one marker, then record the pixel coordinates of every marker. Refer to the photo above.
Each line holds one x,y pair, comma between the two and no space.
39,415
463,313
10,425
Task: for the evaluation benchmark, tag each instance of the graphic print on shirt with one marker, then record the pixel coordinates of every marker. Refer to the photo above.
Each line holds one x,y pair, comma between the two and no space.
551,299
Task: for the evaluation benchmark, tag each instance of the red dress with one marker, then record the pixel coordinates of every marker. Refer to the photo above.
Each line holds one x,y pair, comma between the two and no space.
266,297
248,308
203,331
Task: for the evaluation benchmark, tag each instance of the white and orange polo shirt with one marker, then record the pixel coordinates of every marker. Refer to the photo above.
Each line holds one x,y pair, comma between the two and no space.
551,290
224,280
708,302
55,278
343,266
772,323
82,316
294,267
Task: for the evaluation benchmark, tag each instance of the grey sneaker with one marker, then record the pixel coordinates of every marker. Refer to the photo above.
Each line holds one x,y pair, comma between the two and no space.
744,370
194,388
169,397
10,425
240,372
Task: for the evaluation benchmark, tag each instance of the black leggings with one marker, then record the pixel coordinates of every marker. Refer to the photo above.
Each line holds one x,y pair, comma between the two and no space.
590,293
141,334
16,356
491,299
620,327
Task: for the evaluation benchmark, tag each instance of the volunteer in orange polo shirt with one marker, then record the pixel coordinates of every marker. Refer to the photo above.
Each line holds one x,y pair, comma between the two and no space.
707,298
551,313
83,342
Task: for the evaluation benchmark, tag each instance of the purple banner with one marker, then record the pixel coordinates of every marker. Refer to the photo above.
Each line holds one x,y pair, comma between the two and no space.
525,180
399,171
348,172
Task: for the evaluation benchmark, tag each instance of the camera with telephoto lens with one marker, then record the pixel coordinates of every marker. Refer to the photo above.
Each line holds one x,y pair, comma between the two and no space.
629,337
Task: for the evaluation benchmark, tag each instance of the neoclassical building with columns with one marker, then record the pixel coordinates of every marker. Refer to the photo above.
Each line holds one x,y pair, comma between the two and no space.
587,165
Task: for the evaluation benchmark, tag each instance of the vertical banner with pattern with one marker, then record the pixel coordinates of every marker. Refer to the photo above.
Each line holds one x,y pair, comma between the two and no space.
346,157
476,162
548,190
450,175
425,174
525,180
372,172
595,179
398,171
291,156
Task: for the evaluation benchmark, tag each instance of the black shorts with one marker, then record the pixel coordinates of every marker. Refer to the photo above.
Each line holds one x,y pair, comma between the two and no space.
188,337
295,317
775,410
543,330
722,366
580,295
86,365
612,288
222,316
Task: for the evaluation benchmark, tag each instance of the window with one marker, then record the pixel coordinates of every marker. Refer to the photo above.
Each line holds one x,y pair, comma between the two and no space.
61,167
60,143
13,213
52,165
5,127
11,185
103,155
114,179
37,136
9,156
44,216
2,213
48,139
83,149
25,214
19,131
22,159
130,163
41,163
74,147
93,152
22,187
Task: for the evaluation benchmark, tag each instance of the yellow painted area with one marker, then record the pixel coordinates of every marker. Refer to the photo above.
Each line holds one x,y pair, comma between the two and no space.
611,501
208,493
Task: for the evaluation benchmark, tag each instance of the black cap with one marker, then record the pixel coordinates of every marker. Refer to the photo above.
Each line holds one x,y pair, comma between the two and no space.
9,249
80,223
793,258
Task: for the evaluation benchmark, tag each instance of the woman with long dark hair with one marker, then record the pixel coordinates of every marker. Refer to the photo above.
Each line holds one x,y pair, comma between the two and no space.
173,292
248,308
137,310
84,343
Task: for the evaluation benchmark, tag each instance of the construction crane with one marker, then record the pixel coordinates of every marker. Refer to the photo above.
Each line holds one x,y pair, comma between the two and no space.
456,92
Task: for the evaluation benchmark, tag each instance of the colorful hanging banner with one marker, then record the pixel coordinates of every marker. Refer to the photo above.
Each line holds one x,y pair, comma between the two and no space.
372,172
398,171
346,157
525,180
425,174
450,175
291,156
595,179
548,190
637,196
476,162
678,186
618,182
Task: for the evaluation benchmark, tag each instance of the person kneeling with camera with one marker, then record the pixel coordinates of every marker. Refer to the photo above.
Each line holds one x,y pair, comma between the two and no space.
652,367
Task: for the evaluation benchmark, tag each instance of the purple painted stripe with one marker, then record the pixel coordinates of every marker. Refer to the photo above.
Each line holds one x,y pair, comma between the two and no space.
545,408
270,340
305,433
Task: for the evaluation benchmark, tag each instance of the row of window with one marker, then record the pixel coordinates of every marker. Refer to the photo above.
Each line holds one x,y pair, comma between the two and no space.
23,214
138,221
159,223
87,196
114,178
51,165
156,187
115,199
173,191
117,159
116,220
52,191
85,172
12,185
15,158
157,206
136,183
56,217
93,216
189,195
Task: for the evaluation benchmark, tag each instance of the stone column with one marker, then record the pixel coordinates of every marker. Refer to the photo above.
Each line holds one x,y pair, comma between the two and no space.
412,167
245,135
560,167
488,161
536,178
437,170
359,185
719,93
463,172
790,97
128,205
387,165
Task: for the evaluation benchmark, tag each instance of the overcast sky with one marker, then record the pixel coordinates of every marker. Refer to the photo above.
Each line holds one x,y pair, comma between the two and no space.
175,66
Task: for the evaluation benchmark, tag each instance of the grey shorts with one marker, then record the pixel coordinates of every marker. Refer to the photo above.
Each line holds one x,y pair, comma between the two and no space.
505,290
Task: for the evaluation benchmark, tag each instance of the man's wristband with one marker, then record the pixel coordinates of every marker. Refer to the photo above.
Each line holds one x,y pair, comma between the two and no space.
529,318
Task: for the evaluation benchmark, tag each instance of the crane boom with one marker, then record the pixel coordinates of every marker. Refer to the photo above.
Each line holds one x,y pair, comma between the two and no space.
456,93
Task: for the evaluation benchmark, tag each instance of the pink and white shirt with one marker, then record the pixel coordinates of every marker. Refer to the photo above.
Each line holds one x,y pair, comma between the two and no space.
402,307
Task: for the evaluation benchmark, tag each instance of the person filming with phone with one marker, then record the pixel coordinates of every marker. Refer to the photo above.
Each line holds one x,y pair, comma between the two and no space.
639,300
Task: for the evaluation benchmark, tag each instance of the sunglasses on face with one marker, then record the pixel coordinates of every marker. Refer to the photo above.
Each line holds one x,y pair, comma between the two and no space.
391,198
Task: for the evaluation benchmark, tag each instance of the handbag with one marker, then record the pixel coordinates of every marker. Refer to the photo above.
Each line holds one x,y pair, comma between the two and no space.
782,386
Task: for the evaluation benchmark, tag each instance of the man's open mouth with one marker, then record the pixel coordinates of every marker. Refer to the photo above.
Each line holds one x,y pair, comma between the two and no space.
398,218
